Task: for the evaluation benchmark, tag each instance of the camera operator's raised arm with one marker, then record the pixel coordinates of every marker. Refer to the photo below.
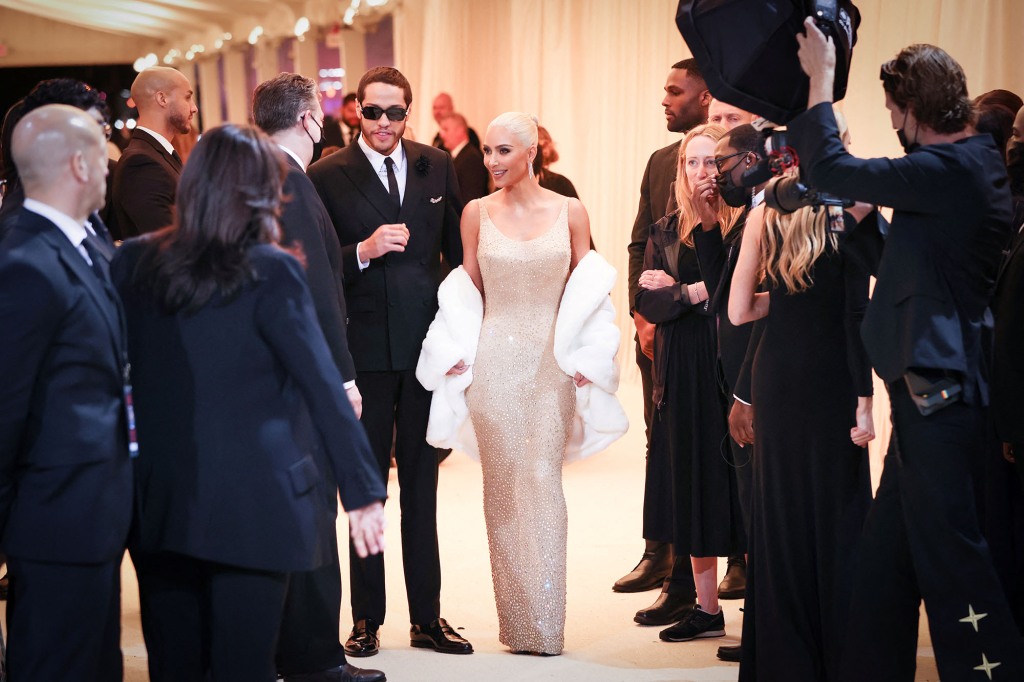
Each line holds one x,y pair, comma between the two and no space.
817,55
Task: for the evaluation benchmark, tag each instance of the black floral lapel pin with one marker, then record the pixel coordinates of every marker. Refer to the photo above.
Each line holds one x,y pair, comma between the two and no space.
422,165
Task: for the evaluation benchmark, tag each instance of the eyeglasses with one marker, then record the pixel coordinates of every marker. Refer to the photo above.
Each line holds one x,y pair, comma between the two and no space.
373,113
720,161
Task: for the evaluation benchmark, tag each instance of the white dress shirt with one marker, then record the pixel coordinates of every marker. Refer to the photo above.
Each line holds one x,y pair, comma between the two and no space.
168,147
74,231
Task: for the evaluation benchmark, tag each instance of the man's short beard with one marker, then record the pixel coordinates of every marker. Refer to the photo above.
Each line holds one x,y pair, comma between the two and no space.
180,124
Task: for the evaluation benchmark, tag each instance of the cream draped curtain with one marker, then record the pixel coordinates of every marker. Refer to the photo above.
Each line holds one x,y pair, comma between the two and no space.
593,71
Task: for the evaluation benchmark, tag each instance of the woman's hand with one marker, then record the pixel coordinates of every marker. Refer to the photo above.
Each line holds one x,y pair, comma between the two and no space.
580,380
864,432
655,279
459,368
704,201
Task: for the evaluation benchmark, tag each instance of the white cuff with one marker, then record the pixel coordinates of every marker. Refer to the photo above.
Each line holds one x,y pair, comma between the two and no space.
363,264
350,384
740,400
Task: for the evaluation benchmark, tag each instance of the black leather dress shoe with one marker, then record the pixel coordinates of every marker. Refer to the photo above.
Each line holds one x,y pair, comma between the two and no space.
654,567
734,584
364,640
732,654
667,609
439,636
342,673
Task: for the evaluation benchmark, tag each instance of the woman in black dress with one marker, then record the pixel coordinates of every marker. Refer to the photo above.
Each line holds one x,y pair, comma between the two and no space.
688,394
812,418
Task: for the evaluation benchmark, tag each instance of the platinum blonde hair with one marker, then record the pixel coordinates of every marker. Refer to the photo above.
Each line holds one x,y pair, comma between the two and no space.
522,126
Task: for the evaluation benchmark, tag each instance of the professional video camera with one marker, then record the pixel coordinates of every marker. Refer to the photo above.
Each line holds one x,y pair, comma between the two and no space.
786,192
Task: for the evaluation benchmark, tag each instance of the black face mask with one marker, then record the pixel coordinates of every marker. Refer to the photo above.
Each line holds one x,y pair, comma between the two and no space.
318,146
732,194
902,136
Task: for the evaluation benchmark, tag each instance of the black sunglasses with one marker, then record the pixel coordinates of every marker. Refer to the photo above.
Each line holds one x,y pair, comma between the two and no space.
722,159
373,113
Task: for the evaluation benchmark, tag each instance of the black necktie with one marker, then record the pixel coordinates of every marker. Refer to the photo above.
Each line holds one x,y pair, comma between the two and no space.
98,254
392,180
177,159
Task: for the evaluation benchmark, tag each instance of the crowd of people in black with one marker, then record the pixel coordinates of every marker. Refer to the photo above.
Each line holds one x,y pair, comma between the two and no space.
204,392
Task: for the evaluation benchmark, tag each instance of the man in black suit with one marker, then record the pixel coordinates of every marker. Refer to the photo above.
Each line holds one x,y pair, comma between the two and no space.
65,473
444,106
469,162
395,207
287,108
146,177
686,105
922,329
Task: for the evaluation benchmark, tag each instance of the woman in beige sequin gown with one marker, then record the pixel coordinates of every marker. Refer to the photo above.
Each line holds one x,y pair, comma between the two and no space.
521,243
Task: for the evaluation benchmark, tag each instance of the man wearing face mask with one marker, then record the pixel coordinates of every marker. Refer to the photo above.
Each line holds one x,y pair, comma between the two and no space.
922,331
287,108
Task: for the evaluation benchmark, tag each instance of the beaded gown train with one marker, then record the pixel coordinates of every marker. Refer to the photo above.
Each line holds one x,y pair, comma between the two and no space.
521,405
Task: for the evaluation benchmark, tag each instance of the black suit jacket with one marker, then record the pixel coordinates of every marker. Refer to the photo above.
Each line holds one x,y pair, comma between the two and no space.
474,140
144,187
304,221
231,404
472,174
654,202
65,475
1008,346
951,221
393,301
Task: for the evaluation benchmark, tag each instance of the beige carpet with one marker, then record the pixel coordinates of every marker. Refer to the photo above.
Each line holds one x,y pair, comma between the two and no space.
603,644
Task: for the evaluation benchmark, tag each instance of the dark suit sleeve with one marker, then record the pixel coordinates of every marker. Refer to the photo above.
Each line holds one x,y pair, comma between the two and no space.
286,319
742,388
300,224
451,236
865,240
856,282
897,183
145,193
664,304
638,238
27,322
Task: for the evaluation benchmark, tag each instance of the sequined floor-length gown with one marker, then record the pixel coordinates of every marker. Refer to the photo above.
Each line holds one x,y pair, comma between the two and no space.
522,406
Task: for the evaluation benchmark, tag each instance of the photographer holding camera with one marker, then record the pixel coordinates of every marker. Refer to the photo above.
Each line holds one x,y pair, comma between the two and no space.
922,332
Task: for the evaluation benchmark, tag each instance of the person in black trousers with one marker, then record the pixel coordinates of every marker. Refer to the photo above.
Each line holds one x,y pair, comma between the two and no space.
241,412
65,472
287,107
922,331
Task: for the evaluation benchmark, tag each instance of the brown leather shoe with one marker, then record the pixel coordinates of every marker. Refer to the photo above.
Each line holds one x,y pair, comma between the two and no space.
734,584
654,567
668,608
732,654
363,640
440,637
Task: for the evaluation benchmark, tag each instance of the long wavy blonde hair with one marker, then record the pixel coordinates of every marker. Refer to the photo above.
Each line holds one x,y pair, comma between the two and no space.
688,219
791,244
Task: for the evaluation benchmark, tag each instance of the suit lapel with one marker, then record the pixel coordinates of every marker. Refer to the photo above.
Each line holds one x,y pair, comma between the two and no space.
364,176
173,163
107,302
414,186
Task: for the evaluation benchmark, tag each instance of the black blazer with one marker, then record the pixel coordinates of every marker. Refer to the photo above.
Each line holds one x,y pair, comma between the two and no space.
231,404
1008,346
951,221
718,257
472,173
654,205
65,476
393,301
304,221
144,187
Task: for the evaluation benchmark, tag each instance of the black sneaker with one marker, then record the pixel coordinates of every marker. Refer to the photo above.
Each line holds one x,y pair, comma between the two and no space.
697,624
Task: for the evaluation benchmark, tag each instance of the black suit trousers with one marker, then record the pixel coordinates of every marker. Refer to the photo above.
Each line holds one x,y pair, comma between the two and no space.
312,613
922,540
64,621
204,620
396,408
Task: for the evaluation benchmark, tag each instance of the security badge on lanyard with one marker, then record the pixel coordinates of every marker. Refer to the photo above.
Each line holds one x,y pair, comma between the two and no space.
129,411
